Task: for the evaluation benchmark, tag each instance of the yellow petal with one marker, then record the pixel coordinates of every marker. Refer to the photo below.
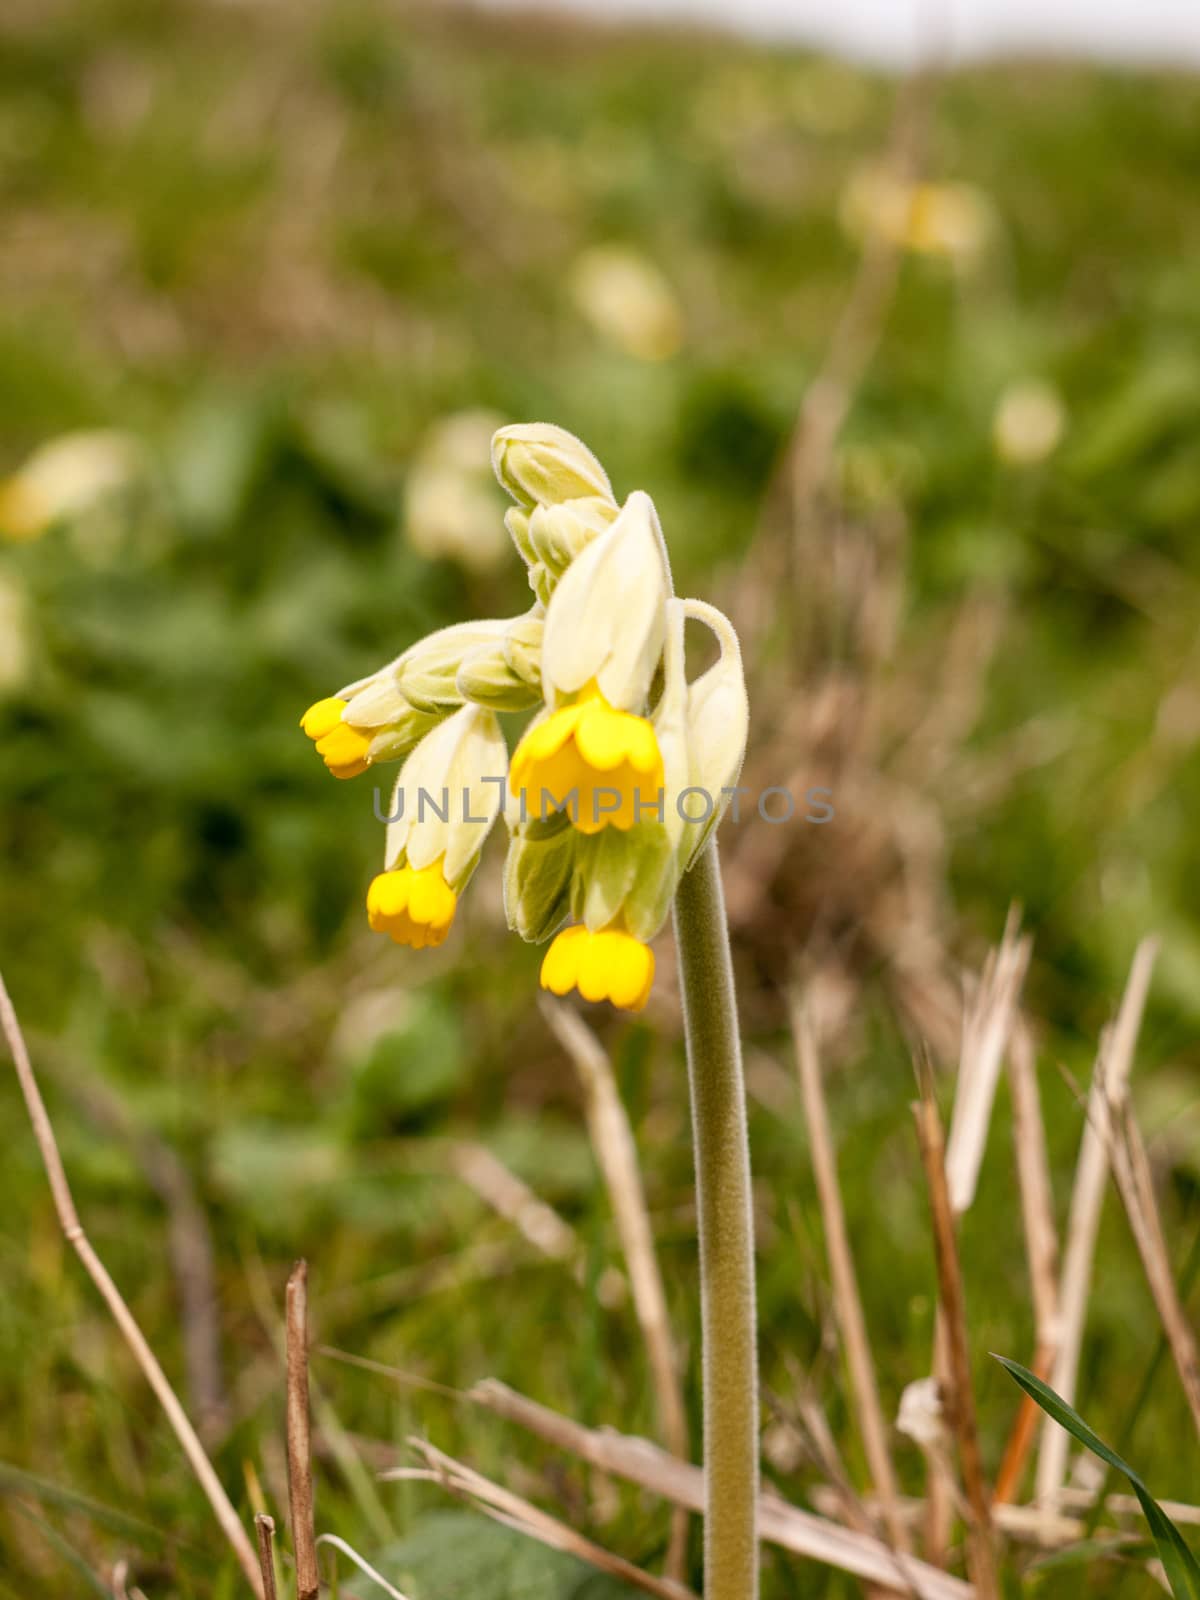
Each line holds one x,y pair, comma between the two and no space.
344,751
601,736
541,743
323,717
632,974
561,964
641,747
596,965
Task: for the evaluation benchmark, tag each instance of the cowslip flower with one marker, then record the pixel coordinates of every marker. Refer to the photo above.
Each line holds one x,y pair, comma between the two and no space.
68,478
595,752
446,800
598,837
618,885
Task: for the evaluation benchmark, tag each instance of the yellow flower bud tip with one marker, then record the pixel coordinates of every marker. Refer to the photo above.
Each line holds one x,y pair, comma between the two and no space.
342,748
414,905
611,965
344,751
323,717
604,765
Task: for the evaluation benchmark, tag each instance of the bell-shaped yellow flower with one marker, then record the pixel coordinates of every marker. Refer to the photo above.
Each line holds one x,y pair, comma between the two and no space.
343,749
600,765
610,965
414,905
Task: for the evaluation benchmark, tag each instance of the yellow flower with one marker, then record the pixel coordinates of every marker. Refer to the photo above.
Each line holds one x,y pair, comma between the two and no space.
602,766
342,748
414,905
609,965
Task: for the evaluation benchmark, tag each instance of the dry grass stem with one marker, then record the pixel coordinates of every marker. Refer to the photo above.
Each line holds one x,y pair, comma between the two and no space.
264,1529
299,1444
1041,1247
1030,1523
952,1307
616,1152
189,1244
987,1023
784,1525
1135,1182
846,1298
1113,1066
72,1229
506,1194
514,1512
365,1567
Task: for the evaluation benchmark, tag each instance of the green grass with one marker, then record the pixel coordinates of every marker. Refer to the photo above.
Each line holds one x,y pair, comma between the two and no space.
277,245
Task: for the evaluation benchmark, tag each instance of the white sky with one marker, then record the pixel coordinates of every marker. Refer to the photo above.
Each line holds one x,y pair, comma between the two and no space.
898,32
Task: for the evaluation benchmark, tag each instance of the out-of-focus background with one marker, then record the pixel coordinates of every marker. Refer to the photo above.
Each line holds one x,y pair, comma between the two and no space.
912,370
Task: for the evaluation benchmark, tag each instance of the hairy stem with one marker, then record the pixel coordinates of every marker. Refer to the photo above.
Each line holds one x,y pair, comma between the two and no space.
726,1234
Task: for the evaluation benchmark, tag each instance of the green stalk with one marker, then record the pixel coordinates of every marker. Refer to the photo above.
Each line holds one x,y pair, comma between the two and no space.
726,1230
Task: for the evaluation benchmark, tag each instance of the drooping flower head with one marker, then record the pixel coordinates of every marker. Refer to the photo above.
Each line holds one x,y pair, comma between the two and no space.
598,832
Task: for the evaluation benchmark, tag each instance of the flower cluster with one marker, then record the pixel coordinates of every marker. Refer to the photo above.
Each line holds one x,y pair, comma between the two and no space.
598,836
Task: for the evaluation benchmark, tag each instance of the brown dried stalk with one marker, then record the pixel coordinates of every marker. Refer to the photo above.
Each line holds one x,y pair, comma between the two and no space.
616,1153
299,1446
952,1306
152,1371
846,1298
264,1528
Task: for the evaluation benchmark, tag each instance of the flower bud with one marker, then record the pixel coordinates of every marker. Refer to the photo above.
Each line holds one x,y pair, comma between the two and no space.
448,796
506,674
427,674
540,464
559,533
605,621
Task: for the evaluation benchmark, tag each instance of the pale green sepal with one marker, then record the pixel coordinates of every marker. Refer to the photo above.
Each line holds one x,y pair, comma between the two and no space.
455,766
486,679
540,464
427,675
396,742
606,865
537,877
557,534
523,647
648,903
606,620
718,721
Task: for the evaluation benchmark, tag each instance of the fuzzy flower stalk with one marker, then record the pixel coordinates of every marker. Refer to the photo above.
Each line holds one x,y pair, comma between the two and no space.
610,801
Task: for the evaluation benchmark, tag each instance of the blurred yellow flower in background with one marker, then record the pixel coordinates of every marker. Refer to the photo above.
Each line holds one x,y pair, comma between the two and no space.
628,300
1029,422
951,220
452,506
67,478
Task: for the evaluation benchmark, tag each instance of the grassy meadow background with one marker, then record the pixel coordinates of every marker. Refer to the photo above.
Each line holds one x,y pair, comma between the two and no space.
276,248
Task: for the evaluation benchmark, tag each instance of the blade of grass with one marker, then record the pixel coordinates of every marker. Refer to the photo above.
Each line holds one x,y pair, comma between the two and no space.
1180,1565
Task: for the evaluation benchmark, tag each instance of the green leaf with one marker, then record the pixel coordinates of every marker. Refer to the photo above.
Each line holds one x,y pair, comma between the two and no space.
457,1552
1181,1566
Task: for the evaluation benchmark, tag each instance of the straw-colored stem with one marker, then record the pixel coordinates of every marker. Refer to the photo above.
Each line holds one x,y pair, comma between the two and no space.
72,1230
726,1234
